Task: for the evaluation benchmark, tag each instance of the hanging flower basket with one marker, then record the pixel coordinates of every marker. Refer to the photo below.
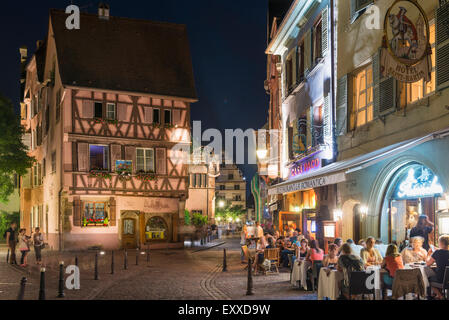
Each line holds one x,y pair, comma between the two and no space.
146,176
124,175
156,125
169,126
96,222
100,174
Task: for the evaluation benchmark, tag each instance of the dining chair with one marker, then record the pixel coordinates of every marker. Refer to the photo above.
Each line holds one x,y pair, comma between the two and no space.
274,256
357,284
444,287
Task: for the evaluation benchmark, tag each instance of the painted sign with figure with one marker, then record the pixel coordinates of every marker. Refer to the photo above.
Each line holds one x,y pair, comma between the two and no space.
406,51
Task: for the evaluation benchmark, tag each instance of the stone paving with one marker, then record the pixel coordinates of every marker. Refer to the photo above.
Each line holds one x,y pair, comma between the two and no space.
187,274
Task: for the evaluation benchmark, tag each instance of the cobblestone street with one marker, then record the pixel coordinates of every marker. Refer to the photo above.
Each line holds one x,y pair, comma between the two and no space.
189,274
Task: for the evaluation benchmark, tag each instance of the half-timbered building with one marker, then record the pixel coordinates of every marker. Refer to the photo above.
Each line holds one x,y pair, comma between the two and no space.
103,108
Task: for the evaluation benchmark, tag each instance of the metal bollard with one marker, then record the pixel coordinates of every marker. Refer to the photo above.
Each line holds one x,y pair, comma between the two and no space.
76,261
125,262
96,266
42,285
137,256
202,241
225,265
7,257
21,294
61,280
148,253
249,291
112,262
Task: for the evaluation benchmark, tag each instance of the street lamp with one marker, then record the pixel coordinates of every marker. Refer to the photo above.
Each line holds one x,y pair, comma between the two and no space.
221,204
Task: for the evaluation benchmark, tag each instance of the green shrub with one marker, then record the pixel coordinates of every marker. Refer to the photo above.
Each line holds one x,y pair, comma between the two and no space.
187,220
198,220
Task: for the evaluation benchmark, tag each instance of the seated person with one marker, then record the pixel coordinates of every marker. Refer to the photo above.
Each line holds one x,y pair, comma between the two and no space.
303,249
262,244
347,263
362,243
294,238
331,260
416,253
287,250
315,253
392,262
370,255
441,258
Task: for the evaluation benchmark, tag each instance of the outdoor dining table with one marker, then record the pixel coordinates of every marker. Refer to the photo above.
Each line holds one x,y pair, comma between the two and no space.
329,286
299,273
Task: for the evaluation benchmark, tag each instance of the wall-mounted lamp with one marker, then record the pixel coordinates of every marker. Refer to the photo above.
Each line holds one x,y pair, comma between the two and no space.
262,154
338,215
363,210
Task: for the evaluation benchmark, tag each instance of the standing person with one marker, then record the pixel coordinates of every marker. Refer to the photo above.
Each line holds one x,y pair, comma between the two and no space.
38,240
259,231
24,247
11,241
422,229
243,237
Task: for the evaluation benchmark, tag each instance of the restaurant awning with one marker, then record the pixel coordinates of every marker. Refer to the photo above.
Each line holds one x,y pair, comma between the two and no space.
337,171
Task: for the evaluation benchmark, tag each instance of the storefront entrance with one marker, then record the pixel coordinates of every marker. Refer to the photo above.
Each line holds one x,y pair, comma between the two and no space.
129,233
414,191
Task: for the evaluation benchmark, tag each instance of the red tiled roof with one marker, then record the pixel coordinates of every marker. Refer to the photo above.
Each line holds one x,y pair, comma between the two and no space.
124,54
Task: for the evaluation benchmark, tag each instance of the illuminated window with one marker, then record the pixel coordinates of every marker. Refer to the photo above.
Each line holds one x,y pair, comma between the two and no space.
412,92
363,97
94,213
99,157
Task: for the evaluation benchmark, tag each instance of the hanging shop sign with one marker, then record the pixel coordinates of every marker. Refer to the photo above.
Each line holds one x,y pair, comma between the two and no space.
306,165
406,51
419,183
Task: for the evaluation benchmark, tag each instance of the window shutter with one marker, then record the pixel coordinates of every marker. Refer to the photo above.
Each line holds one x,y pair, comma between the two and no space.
324,31
177,118
148,115
308,52
130,154
327,129
377,74
112,212
342,106
116,154
88,109
121,112
161,161
83,157
442,47
77,212
290,142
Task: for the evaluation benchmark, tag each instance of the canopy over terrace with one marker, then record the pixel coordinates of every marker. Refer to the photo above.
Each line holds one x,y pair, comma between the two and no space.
337,171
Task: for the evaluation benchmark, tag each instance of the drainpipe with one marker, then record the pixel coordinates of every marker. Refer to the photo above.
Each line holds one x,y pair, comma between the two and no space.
333,75
60,211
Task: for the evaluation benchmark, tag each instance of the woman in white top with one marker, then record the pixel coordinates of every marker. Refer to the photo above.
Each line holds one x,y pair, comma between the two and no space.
416,253
23,247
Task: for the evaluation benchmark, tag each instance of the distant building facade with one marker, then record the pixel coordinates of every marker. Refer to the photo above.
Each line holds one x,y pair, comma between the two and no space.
230,186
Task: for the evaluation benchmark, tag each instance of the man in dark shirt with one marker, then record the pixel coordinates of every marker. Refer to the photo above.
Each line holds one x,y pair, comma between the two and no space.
11,241
422,229
441,258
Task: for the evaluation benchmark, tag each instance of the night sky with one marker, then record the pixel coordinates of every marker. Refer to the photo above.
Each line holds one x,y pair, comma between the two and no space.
227,39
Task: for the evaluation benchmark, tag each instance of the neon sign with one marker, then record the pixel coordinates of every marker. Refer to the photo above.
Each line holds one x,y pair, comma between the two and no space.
305,166
424,185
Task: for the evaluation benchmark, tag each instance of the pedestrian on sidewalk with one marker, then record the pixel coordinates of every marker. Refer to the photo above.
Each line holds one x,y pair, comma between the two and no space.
11,241
24,247
38,240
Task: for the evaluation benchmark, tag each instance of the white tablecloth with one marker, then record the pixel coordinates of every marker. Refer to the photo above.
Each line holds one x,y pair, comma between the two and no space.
328,286
299,273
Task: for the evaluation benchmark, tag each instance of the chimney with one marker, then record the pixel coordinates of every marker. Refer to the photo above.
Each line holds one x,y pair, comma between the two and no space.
103,11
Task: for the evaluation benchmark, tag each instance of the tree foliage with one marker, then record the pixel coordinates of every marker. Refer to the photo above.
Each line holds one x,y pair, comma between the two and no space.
234,212
5,221
13,153
198,220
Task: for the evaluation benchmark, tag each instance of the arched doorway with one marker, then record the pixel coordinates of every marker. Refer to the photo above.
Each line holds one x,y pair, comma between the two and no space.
156,230
413,190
